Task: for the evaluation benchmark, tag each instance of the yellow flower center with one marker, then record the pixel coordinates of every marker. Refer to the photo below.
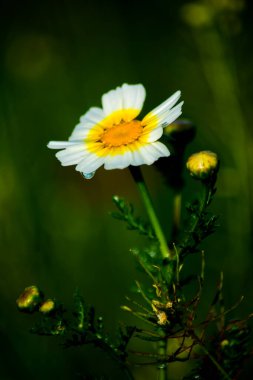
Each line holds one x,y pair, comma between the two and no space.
122,134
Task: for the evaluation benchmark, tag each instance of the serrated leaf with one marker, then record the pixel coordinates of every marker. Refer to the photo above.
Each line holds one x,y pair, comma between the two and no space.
126,213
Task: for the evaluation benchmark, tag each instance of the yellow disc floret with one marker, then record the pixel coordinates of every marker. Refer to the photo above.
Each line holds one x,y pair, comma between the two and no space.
122,134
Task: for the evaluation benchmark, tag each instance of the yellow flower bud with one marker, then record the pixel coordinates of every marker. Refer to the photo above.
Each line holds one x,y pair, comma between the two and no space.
47,306
29,299
203,164
224,343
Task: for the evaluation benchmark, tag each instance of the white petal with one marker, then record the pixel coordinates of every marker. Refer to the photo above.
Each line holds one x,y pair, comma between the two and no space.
122,98
82,131
72,155
146,153
161,149
73,160
112,101
79,134
164,107
137,158
150,153
133,96
119,161
173,115
169,103
90,163
60,144
94,115
91,118
154,134
77,147
83,125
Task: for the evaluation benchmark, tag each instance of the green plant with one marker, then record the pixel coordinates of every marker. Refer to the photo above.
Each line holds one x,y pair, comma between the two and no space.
166,316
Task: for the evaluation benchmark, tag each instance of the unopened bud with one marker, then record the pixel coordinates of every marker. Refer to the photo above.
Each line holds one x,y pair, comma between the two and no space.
176,137
180,126
224,343
47,306
203,164
182,131
29,299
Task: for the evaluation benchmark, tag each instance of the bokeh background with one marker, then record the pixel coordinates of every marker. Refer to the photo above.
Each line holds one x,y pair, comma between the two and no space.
57,59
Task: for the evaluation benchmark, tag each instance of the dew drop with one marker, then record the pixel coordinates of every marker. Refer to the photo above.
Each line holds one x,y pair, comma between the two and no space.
88,175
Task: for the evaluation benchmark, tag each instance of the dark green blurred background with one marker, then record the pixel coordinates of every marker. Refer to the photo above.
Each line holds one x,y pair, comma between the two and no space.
57,59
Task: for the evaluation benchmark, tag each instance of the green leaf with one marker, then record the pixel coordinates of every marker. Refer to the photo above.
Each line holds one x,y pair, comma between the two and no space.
126,213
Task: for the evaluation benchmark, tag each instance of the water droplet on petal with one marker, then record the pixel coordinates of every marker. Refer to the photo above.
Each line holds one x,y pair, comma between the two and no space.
88,175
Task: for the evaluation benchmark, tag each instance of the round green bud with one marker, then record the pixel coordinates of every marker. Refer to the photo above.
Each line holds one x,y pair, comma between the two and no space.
29,299
47,306
202,165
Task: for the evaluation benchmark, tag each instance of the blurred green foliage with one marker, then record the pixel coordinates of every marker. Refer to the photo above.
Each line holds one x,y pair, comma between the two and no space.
57,59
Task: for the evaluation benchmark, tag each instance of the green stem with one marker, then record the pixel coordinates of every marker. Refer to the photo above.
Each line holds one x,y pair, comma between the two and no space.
162,368
138,178
203,203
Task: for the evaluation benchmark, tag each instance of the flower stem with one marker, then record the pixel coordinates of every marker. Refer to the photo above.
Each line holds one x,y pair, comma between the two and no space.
138,178
205,199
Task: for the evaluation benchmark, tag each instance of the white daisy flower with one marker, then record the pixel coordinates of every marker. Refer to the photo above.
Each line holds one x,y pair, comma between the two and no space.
113,137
